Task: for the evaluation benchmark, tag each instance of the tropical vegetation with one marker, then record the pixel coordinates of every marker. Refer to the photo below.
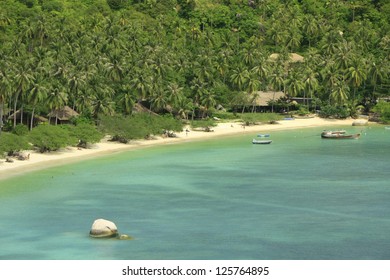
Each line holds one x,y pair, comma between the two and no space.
183,58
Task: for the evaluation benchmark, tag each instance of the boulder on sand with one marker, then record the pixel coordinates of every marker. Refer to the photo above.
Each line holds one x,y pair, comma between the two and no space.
360,123
103,228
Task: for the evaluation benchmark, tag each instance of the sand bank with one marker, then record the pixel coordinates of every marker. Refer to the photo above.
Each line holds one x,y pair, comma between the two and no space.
71,154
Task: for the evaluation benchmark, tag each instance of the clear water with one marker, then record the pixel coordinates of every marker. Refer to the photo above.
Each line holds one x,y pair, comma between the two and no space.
301,197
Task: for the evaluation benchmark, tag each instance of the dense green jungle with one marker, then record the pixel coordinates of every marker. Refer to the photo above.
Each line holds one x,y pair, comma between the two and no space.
186,58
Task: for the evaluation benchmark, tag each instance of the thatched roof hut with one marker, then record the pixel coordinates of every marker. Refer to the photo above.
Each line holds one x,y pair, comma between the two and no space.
294,57
26,117
63,115
264,97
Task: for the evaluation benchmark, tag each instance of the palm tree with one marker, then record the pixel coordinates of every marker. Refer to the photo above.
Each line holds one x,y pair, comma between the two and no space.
126,101
294,83
311,27
5,89
141,83
76,82
310,83
261,69
252,86
239,77
115,67
22,80
159,99
101,101
339,94
56,99
207,101
276,81
293,39
376,73
357,75
37,94
175,94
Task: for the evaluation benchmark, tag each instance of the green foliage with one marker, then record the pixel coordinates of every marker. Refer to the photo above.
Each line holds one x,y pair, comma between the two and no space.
117,4
138,126
48,138
303,110
28,3
10,143
205,124
188,56
186,7
20,130
338,112
252,118
86,134
383,109
225,115
52,6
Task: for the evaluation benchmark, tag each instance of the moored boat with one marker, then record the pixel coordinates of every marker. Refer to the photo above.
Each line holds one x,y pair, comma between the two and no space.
333,132
339,136
257,141
263,135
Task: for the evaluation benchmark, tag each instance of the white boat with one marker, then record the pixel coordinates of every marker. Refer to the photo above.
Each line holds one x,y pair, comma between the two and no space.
257,141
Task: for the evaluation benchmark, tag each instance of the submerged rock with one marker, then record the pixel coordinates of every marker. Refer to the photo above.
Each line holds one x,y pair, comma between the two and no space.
103,228
125,237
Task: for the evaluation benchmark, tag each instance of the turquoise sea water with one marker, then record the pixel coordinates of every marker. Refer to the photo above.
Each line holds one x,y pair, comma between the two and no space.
301,197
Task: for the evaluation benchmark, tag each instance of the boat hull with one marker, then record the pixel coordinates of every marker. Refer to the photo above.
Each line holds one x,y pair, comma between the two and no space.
340,136
255,141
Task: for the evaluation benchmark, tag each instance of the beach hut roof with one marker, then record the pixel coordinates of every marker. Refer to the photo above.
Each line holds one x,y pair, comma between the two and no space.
294,57
139,108
63,114
264,97
36,117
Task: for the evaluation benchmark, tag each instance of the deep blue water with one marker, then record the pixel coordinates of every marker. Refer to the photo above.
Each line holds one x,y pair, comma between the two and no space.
301,197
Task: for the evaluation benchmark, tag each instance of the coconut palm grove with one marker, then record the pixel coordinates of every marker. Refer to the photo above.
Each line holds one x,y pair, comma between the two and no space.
181,60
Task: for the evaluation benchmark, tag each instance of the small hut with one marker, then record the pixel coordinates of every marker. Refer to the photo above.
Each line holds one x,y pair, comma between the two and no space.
25,118
294,57
262,101
62,116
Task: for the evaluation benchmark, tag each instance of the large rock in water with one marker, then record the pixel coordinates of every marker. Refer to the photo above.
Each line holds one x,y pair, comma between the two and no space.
103,228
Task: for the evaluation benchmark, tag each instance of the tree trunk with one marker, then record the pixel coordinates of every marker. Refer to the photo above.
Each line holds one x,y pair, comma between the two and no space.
32,118
15,104
1,116
21,115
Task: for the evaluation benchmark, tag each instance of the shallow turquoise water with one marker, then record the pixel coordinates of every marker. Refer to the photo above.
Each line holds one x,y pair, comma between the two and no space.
299,198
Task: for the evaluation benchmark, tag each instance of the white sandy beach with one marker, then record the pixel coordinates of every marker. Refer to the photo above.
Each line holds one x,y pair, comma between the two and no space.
72,154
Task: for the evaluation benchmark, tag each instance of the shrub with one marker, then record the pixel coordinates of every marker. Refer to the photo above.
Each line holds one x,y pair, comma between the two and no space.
338,112
138,126
20,130
254,118
85,133
11,143
206,124
48,138
383,109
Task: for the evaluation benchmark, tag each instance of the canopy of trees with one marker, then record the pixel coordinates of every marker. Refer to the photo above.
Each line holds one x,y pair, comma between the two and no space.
101,57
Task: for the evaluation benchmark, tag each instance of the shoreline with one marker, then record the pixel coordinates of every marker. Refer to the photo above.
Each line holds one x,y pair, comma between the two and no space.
38,161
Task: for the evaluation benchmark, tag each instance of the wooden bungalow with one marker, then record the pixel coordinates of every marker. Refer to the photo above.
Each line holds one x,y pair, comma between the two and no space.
62,116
